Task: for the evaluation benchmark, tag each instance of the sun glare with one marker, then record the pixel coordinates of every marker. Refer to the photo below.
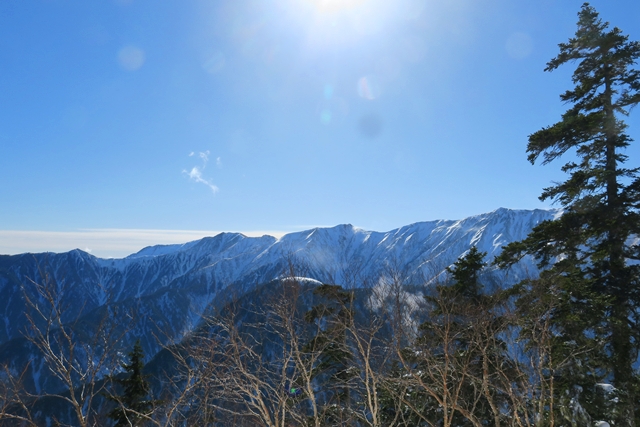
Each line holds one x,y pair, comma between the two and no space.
332,23
335,6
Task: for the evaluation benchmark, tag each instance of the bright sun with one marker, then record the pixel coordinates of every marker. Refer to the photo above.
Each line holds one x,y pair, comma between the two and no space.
330,23
334,6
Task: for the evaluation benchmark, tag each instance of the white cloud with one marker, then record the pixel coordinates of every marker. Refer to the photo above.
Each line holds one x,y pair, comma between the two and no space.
218,162
195,174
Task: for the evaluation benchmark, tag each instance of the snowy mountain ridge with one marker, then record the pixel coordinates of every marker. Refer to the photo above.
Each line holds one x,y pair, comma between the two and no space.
170,286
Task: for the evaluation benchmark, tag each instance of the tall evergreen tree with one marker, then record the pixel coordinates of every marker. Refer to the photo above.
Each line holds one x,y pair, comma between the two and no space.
590,243
133,404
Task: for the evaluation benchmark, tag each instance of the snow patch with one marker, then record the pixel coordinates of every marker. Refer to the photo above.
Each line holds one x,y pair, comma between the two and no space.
305,280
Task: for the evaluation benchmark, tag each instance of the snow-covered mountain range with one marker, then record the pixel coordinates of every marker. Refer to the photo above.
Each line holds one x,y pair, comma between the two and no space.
171,286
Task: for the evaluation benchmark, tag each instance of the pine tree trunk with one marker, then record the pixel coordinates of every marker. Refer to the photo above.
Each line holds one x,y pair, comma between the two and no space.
618,288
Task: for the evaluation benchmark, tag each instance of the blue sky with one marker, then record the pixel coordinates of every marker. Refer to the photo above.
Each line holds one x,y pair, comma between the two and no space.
130,122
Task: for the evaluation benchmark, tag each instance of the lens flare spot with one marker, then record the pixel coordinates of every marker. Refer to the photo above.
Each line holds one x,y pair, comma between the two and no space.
325,116
214,63
368,88
370,125
131,58
519,45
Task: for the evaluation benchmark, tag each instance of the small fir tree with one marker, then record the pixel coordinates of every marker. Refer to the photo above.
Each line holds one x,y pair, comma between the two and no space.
133,405
464,314
332,315
450,375
465,274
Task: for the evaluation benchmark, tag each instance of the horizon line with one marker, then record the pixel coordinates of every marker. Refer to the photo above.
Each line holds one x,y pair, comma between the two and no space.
106,242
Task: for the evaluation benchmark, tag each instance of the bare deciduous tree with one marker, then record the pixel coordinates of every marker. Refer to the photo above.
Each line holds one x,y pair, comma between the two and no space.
79,354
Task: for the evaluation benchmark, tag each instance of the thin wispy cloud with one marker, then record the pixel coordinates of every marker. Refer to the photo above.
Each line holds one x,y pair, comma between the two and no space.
196,172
